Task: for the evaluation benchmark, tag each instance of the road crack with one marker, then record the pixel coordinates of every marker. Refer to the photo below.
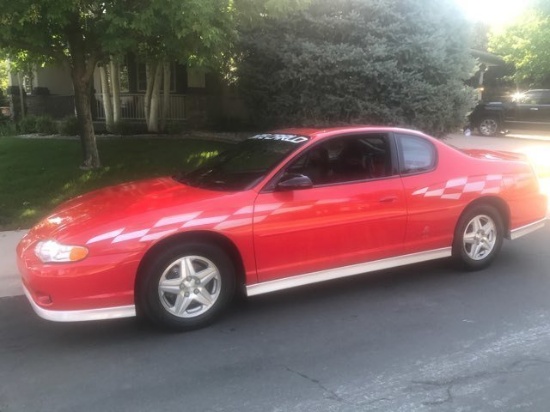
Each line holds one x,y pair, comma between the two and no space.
447,384
329,394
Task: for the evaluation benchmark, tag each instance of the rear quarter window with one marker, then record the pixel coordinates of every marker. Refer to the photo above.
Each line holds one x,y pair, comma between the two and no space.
416,155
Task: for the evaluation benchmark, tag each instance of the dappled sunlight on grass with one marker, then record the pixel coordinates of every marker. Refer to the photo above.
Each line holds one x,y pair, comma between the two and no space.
79,185
92,174
28,213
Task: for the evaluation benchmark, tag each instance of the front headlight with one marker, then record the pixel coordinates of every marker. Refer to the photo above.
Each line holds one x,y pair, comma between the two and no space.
50,251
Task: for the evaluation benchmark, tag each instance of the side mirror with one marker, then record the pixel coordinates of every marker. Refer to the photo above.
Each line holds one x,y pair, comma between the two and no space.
294,181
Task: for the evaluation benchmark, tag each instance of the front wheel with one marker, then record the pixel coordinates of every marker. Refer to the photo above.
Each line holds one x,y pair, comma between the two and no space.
488,126
186,286
478,237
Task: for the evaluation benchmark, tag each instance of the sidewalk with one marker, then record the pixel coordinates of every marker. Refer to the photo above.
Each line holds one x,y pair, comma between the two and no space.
537,147
10,285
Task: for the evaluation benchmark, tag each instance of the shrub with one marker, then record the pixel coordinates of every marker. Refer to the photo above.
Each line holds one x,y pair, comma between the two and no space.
7,128
46,125
37,124
69,126
27,125
394,62
125,128
174,127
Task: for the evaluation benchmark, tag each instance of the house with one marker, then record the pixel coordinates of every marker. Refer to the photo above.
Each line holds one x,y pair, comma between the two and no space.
48,91
198,98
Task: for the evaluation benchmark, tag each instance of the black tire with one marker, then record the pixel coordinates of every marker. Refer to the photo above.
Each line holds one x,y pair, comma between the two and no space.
184,270
489,126
478,237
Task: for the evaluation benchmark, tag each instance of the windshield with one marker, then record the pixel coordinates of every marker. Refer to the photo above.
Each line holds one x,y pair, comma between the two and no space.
245,164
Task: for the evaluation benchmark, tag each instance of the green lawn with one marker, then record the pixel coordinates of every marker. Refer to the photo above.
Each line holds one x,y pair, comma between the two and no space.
38,174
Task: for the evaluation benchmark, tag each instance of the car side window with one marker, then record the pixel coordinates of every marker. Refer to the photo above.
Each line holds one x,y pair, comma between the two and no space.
346,159
545,97
416,154
532,98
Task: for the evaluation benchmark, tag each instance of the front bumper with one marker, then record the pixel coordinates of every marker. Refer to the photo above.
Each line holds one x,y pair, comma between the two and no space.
80,315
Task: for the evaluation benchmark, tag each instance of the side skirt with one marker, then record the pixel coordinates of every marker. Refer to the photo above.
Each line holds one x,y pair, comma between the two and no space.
336,273
525,230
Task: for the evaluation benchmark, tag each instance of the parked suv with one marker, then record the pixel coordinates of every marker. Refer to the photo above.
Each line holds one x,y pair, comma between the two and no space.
530,110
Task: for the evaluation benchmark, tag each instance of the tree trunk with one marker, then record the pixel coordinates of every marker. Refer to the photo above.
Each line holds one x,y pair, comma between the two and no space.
21,95
115,85
83,62
165,97
149,76
84,115
155,101
106,97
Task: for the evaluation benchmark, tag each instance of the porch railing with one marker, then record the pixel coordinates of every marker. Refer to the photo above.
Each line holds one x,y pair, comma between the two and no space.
132,106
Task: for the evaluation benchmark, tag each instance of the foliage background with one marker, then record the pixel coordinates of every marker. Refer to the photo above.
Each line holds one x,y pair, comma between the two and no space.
397,62
526,45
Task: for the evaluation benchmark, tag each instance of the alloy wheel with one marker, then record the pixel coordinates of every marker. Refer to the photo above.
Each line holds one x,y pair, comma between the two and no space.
189,286
480,236
488,127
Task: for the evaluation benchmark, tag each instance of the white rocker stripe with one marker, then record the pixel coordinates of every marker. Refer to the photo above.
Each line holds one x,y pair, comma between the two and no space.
323,275
525,230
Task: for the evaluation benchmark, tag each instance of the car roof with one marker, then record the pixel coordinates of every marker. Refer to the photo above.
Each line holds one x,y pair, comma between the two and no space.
320,133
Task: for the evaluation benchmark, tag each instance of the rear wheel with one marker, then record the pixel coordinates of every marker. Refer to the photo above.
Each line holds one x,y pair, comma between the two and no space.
488,126
478,237
186,286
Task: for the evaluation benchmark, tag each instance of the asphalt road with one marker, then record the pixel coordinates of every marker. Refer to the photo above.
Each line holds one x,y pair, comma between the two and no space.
422,338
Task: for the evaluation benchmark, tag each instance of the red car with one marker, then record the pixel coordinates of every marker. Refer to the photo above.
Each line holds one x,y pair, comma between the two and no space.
278,210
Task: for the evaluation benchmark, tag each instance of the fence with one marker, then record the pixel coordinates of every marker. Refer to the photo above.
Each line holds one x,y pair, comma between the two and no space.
132,106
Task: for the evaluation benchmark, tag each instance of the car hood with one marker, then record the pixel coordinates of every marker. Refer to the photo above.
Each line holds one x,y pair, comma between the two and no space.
130,203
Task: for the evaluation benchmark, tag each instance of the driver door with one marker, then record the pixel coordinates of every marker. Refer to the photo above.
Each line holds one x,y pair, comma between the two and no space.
354,212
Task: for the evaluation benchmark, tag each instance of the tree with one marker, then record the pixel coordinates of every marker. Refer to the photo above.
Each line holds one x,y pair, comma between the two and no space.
68,32
109,73
255,12
161,32
83,33
400,62
21,65
526,44
4,73
480,36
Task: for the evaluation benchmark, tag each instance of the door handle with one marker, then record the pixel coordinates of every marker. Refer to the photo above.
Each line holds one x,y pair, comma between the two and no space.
534,108
388,199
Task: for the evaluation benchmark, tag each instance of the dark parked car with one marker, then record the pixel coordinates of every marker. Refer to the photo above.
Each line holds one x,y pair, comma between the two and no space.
531,110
